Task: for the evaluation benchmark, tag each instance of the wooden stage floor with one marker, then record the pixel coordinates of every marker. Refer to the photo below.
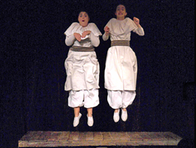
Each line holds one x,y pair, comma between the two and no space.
70,139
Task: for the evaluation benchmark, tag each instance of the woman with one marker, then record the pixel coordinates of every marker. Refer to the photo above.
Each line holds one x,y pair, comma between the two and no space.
82,67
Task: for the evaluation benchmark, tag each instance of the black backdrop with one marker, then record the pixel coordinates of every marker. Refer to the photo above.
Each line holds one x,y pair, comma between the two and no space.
32,66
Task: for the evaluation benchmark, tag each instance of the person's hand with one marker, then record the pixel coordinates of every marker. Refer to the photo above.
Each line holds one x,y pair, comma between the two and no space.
77,36
85,33
136,21
107,30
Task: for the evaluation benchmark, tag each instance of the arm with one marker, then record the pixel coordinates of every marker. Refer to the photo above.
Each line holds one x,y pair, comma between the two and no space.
94,40
105,37
139,30
71,36
69,40
106,34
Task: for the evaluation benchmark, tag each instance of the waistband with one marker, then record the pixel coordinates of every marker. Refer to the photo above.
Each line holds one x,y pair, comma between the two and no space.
120,43
82,49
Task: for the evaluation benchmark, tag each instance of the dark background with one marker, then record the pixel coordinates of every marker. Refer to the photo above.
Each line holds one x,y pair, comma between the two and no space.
32,67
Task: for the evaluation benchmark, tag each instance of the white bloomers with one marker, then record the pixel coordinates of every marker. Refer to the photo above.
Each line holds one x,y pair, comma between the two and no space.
86,98
120,99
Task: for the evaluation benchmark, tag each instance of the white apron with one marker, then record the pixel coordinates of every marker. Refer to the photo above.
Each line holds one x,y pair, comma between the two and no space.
82,68
121,69
121,62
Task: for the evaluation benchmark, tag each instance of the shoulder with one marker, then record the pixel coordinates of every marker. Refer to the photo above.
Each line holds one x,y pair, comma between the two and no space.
74,24
92,25
73,27
94,29
128,19
112,19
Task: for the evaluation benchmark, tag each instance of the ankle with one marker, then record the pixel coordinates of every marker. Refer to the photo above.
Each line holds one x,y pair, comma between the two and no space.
77,115
89,115
116,110
124,109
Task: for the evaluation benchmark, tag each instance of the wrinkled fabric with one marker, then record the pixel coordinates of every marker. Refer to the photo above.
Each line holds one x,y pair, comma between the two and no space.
121,29
87,41
121,69
120,99
82,71
82,68
86,98
121,62
77,28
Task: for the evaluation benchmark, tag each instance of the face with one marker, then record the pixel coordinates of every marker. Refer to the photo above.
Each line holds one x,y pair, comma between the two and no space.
83,19
120,12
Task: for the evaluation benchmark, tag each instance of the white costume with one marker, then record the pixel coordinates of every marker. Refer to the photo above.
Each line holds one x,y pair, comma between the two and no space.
121,63
82,66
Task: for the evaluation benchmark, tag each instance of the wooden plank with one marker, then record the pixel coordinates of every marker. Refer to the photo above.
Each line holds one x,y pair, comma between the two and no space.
134,136
47,136
135,139
145,136
73,136
63,138
42,136
157,138
35,136
150,138
93,139
172,139
28,135
52,136
89,136
107,139
146,139
107,136
172,135
119,136
82,136
98,136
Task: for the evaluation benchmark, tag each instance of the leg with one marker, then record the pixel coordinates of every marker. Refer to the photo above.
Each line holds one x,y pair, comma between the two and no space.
91,100
124,109
90,112
128,98
76,111
75,100
124,114
116,110
90,116
115,101
116,115
77,117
